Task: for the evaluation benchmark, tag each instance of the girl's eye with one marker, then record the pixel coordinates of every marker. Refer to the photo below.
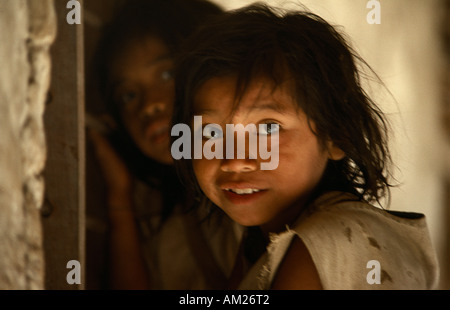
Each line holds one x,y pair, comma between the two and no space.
127,97
212,131
269,129
167,75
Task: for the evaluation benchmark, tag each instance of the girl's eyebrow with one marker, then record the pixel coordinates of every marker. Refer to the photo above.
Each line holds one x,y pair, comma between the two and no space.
115,83
161,58
268,106
205,111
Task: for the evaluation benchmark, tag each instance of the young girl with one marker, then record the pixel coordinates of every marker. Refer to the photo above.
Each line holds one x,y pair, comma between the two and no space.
153,241
294,74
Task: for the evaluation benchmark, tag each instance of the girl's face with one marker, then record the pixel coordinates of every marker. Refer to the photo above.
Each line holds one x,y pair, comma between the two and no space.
302,159
143,89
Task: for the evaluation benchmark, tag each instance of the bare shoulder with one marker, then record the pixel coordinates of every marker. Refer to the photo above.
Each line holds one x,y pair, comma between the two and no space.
297,270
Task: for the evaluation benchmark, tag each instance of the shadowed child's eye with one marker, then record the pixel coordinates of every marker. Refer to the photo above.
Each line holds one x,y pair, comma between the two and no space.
269,128
127,97
167,75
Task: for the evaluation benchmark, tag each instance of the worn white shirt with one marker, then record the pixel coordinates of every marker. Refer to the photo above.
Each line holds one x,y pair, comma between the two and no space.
185,252
355,246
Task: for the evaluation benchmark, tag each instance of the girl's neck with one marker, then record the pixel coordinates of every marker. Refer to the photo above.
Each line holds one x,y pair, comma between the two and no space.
290,215
282,220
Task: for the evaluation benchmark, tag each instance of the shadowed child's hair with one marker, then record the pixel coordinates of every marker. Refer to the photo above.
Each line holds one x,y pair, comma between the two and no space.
258,41
171,21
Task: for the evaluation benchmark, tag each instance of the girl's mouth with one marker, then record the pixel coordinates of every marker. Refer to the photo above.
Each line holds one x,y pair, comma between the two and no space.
239,196
243,191
158,131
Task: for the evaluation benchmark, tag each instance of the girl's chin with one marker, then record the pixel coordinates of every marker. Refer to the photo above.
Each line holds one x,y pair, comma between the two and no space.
162,157
245,216
167,160
246,221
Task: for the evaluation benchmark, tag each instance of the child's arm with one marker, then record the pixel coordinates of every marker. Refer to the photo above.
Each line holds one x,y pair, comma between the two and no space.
297,270
127,266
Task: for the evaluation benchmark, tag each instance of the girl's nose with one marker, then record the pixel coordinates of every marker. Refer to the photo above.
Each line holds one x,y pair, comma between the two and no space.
242,155
154,104
244,162
239,165
153,108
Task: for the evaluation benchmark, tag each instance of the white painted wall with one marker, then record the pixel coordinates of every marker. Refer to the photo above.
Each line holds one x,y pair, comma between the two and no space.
27,30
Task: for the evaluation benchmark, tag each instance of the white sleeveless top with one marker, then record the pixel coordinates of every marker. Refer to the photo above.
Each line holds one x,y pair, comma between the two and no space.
185,252
355,246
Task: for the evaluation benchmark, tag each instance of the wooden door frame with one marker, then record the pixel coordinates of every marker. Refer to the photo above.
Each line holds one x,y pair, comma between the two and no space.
63,212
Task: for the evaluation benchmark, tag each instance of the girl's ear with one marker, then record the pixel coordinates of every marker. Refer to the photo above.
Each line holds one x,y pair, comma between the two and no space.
334,152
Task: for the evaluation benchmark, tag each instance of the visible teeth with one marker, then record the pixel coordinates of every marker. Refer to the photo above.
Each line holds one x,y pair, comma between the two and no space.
244,191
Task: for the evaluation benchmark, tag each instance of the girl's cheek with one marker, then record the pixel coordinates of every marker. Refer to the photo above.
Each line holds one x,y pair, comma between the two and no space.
199,170
205,174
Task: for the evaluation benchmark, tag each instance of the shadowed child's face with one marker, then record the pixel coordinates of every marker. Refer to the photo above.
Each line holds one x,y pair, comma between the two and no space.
143,89
249,195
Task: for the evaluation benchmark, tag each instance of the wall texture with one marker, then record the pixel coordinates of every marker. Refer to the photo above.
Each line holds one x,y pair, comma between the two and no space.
27,29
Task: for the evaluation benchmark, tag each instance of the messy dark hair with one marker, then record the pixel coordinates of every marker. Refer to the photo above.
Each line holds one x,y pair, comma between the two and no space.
172,21
259,41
